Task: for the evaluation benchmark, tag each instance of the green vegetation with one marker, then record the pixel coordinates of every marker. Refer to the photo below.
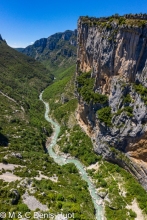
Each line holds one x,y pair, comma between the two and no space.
127,109
136,22
63,111
72,139
106,22
21,131
115,181
67,196
79,145
22,78
122,20
65,193
127,99
104,115
60,96
142,91
85,88
57,88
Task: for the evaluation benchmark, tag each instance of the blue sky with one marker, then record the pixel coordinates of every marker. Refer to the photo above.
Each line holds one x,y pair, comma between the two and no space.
24,21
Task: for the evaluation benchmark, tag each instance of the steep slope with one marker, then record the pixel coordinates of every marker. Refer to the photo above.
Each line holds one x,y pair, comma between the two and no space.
21,73
112,87
56,51
30,180
22,79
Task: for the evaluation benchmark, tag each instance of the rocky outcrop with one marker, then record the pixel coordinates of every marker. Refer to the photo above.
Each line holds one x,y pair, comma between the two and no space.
14,194
114,50
1,39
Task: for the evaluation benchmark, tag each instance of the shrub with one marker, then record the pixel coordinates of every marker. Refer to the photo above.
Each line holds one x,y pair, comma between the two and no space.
142,91
79,145
72,198
127,99
121,20
60,197
85,88
103,183
133,214
129,111
71,168
59,205
23,208
4,161
104,115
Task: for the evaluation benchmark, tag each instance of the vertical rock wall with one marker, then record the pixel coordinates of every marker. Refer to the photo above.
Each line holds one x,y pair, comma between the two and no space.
116,56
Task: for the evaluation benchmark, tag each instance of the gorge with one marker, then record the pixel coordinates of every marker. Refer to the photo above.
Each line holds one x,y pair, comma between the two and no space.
87,156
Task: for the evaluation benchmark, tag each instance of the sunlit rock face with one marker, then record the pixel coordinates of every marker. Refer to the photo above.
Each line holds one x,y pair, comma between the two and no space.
114,51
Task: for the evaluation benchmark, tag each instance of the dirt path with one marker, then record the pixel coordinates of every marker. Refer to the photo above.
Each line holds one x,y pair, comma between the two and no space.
12,100
8,97
134,206
93,166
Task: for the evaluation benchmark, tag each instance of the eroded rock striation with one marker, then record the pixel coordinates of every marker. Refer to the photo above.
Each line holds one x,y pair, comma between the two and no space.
112,88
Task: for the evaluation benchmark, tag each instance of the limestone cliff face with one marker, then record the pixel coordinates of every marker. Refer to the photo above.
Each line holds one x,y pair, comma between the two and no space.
114,50
118,50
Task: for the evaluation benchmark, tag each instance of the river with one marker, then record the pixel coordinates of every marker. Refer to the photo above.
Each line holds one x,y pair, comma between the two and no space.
62,160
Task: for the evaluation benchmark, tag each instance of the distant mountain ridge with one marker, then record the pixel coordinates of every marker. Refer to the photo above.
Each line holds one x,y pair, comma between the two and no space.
58,50
19,49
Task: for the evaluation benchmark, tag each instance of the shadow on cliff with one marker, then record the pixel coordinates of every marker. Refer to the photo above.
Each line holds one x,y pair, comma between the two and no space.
143,57
3,140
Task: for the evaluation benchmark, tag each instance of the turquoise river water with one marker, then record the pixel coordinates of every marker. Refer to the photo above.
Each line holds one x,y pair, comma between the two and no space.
61,160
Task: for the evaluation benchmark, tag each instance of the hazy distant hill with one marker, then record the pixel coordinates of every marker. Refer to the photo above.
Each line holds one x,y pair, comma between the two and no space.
19,49
58,50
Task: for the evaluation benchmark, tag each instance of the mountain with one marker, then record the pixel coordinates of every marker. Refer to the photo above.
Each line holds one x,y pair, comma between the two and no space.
56,51
112,88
